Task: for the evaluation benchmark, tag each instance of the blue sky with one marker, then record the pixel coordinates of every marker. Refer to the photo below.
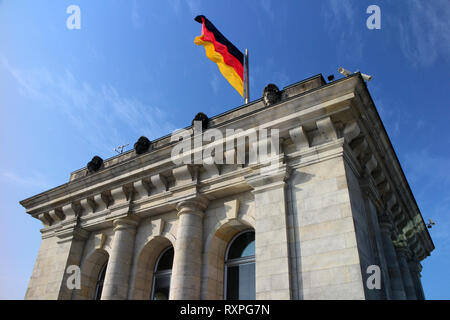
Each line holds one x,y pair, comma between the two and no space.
133,69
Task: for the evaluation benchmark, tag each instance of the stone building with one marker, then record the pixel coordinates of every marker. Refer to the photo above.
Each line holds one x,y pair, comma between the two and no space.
312,227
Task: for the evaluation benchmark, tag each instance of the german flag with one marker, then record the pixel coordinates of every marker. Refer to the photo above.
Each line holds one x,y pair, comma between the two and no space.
218,49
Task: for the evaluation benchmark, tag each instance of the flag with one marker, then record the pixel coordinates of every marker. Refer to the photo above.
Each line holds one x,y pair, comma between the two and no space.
218,49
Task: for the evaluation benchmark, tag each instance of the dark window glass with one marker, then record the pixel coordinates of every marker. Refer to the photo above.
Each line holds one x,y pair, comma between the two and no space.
240,268
162,275
166,261
162,287
241,282
242,246
99,284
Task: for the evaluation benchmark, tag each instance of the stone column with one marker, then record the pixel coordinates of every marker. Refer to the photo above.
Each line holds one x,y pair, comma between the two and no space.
187,265
415,268
271,239
118,270
402,253
397,289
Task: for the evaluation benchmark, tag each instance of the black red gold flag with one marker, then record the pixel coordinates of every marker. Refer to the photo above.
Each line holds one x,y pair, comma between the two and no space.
218,49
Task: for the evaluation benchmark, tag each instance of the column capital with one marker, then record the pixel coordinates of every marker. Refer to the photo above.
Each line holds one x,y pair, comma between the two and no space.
128,222
401,248
195,205
268,179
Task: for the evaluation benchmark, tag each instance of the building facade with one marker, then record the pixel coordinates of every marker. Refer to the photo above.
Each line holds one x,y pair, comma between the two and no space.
320,217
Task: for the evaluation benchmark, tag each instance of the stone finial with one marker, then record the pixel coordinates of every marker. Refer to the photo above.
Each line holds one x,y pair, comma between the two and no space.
95,164
203,118
271,95
142,145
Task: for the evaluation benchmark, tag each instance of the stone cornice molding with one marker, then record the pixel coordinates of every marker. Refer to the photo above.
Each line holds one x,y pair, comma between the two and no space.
159,159
263,181
328,121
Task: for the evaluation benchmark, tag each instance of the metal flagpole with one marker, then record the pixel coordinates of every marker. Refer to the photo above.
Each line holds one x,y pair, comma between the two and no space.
246,78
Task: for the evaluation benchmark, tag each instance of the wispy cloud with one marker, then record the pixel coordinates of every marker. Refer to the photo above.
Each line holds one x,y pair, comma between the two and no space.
215,83
33,180
424,31
136,19
339,12
340,17
99,114
266,6
176,6
193,6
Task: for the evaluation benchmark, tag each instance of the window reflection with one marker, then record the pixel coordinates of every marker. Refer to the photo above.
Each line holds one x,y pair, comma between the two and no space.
162,275
100,281
240,268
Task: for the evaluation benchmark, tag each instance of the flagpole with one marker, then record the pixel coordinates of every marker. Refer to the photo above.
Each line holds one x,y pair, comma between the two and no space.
246,78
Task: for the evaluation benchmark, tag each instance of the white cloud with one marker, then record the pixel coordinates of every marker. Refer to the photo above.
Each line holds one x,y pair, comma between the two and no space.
100,114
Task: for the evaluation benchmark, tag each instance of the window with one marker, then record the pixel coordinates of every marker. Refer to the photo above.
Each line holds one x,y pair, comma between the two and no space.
162,274
240,267
99,284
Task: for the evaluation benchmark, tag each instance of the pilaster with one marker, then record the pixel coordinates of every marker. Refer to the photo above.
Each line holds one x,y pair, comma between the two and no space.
271,240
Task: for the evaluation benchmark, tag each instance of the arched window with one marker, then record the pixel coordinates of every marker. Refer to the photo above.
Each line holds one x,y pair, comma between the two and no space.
240,267
99,284
162,274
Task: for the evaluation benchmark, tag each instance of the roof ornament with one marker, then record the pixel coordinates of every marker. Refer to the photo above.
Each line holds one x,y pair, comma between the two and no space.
271,95
142,145
95,164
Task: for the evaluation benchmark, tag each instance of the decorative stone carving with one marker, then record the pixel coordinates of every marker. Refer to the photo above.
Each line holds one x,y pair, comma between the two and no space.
359,146
88,205
299,137
99,240
327,129
45,219
271,95
351,131
159,182
142,145
57,214
203,118
142,188
231,209
157,227
183,175
95,164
